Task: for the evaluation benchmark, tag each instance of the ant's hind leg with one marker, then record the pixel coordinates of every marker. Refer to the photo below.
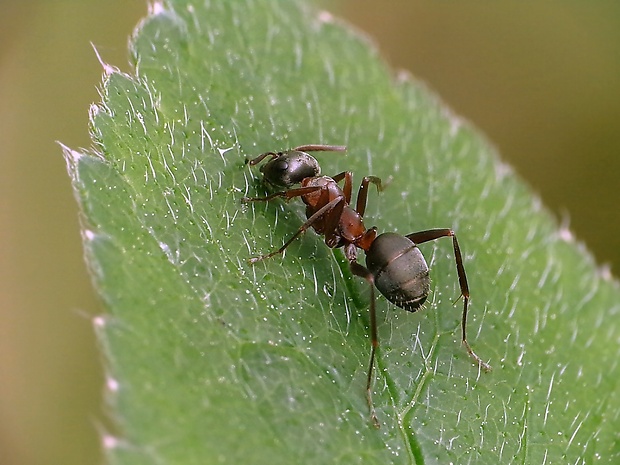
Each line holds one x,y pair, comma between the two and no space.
431,235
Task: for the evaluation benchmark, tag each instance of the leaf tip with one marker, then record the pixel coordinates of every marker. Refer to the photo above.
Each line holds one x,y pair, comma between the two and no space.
93,110
107,69
99,321
403,76
112,384
604,271
72,157
565,234
110,442
326,17
88,235
156,8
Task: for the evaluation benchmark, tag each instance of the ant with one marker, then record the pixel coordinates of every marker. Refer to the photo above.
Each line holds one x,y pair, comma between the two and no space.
394,264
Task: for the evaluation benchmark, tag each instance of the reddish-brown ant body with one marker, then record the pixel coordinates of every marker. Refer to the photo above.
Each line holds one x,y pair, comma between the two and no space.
394,264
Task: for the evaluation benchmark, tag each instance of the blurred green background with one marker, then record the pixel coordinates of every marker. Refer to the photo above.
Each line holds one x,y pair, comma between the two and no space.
542,80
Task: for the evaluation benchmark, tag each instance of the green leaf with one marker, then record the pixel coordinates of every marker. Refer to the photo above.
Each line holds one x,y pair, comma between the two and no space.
211,359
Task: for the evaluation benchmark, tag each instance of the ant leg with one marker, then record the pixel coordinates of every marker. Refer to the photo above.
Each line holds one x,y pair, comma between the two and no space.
431,235
320,148
289,194
362,193
301,148
325,210
332,221
255,161
348,184
362,272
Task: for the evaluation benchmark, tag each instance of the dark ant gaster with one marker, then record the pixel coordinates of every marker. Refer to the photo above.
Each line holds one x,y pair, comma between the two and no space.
394,264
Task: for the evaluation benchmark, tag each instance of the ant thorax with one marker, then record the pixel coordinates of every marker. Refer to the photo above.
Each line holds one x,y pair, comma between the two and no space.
330,191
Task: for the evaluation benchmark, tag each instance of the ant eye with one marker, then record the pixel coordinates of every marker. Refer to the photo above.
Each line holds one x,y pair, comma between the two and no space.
281,165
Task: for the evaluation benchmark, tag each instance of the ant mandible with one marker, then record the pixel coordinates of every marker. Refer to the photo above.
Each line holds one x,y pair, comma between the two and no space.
394,264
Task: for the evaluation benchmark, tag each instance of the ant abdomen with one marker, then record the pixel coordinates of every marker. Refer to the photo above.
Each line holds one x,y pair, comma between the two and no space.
399,270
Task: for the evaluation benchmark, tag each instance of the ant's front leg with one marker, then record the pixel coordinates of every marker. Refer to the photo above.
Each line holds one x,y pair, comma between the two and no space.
257,160
322,212
292,193
321,148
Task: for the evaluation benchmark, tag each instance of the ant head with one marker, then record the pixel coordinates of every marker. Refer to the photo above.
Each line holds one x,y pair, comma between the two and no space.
286,169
